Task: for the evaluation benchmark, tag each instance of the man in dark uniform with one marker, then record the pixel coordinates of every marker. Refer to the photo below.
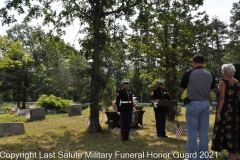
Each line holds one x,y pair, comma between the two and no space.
159,93
124,102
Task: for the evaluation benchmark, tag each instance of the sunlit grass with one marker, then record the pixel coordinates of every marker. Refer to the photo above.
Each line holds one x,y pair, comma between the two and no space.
60,135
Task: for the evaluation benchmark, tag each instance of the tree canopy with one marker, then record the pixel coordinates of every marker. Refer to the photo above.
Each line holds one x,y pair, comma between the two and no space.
163,37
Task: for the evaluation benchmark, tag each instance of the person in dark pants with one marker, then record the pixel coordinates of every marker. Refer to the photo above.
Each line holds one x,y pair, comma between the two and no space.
124,102
160,93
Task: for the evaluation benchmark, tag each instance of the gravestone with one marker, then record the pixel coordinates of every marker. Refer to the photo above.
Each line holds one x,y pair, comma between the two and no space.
2,111
37,114
32,107
23,112
11,128
74,110
52,111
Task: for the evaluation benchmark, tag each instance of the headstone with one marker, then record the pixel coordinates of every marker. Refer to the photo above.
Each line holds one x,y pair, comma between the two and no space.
11,128
32,107
23,112
52,111
37,114
2,111
74,110
214,103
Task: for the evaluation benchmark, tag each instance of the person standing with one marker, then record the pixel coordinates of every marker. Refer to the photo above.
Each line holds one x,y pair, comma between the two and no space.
225,132
124,102
237,76
159,93
198,82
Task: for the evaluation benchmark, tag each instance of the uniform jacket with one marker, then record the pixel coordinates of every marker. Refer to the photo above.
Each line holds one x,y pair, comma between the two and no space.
161,94
124,95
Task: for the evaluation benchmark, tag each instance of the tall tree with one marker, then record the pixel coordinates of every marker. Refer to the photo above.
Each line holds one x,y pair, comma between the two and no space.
168,32
218,38
15,70
49,73
233,47
89,12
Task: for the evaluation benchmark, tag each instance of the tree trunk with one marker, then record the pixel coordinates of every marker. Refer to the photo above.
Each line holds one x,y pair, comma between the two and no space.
169,73
95,76
19,94
24,98
171,77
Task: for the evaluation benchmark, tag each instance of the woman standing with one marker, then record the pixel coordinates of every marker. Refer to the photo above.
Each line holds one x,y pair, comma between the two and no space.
225,132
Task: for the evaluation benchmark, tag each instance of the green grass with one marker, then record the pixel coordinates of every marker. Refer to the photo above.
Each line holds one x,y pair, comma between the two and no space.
60,136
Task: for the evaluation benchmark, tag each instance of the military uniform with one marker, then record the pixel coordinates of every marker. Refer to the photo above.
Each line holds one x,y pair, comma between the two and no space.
160,111
124,102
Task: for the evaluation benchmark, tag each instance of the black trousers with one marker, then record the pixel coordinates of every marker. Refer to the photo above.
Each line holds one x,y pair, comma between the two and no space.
125,119
160,118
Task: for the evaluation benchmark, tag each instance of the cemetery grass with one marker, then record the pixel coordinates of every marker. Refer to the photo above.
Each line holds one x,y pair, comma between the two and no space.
58,136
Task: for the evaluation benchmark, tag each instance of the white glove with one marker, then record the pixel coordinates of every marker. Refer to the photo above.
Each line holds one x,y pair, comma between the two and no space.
155,105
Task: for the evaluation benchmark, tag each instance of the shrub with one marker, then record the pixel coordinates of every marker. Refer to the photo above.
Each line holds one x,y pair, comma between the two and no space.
7,106
53,102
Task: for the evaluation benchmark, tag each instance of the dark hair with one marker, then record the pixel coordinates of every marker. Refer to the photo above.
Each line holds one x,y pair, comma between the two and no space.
198,58
237,73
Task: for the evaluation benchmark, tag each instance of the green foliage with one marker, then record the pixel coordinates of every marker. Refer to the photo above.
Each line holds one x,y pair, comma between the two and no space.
15,69
184,94
232,49
6,106
168,33
53,102
212,97
12,53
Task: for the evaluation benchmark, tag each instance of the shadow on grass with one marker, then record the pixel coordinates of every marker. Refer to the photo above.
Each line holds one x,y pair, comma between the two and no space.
65,146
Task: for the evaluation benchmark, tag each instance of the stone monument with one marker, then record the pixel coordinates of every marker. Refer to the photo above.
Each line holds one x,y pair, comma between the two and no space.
74,110
11,128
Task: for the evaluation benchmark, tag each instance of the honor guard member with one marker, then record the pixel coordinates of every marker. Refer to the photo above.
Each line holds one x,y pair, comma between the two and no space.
159,93
124,102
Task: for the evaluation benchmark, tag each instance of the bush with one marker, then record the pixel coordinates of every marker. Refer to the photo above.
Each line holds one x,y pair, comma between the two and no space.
53,102
7,106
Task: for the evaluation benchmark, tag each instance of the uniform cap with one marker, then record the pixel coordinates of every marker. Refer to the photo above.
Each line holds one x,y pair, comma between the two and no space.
125,81
161,81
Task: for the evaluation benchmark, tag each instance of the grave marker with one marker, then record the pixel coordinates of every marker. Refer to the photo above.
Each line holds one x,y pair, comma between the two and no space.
74,110
37,114
11,128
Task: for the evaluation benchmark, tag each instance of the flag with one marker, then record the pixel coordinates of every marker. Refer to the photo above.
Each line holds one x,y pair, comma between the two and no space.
178,130
13,110
28,116
18,111
103,110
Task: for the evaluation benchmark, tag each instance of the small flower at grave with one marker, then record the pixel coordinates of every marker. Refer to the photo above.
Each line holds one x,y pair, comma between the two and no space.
28,115
12,110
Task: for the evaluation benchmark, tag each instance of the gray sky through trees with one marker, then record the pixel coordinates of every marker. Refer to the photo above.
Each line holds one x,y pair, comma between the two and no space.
214,8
